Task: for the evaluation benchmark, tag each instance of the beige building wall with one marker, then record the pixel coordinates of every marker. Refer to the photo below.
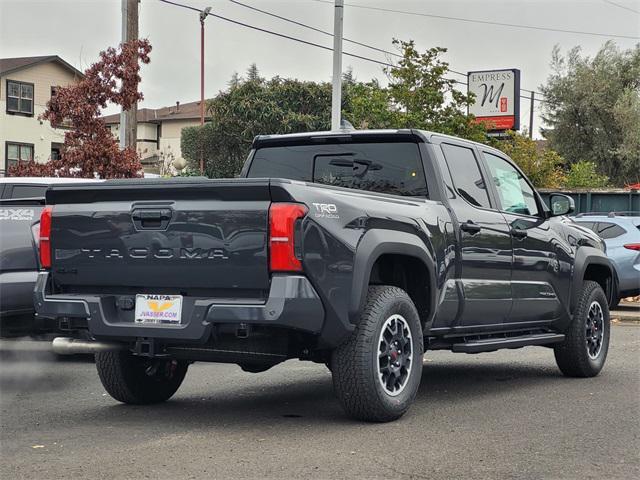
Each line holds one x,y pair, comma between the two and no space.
24,129
147,134
170,135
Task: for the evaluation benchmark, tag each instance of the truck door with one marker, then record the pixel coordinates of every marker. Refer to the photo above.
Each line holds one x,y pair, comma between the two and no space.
484,242
541,263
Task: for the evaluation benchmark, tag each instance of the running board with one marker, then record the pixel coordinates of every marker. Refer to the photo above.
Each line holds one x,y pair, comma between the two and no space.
491,344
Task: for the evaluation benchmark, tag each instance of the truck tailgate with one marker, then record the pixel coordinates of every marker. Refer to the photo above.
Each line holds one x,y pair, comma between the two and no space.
159,236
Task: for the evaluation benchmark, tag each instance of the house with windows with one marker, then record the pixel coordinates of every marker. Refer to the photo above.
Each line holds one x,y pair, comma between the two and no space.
159,132
26,85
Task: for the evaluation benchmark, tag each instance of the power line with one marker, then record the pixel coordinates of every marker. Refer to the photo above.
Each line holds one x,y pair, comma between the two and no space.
621,6
183,6
289,37
317,45
348,40
484,22
315,29
319,30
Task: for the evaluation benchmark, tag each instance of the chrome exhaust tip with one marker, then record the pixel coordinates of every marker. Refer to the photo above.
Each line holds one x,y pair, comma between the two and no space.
75,346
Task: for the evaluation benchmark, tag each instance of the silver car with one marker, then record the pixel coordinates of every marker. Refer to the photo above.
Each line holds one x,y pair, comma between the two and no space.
621,233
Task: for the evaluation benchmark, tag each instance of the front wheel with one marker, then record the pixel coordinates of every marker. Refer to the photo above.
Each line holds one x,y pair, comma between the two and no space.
139,380
584,350
377,372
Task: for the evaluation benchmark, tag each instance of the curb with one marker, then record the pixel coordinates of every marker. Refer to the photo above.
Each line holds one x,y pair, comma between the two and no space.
625,321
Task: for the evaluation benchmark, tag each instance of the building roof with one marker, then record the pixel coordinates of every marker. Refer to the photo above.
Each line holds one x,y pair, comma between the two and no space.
179,111
10,65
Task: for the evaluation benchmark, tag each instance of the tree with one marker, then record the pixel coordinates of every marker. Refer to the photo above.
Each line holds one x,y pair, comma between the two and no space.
584,174
89,148
592,108
542,166
251,107
418,96
424,97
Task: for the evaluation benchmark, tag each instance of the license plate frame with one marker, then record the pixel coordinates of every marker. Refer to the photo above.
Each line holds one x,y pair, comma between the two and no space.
158,309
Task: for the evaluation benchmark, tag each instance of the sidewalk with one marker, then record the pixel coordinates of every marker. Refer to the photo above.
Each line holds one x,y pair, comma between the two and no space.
626,312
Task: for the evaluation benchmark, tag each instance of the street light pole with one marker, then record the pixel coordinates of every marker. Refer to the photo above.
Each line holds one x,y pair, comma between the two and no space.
336,93
531,113
203,16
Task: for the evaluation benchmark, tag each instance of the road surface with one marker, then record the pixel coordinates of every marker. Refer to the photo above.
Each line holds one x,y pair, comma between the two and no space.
508,414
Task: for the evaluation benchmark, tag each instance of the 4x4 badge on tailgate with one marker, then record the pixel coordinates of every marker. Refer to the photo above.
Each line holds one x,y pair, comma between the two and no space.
16,214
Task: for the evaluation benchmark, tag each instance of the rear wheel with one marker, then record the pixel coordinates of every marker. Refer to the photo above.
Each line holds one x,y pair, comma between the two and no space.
584,350
377,372
139,380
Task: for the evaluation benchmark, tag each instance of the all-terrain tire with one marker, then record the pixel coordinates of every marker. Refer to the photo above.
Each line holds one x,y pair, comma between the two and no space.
572,355
355,364
139,380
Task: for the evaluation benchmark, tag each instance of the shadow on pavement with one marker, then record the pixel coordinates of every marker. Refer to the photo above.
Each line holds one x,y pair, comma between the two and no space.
312,400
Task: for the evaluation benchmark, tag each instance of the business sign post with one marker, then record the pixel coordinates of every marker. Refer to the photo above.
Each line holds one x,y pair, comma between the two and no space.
497,98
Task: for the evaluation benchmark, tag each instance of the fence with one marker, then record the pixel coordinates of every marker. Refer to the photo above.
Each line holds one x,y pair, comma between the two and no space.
617,200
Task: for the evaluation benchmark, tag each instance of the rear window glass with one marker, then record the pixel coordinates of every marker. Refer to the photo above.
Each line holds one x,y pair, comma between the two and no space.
28,191
589,225
393,168
610,230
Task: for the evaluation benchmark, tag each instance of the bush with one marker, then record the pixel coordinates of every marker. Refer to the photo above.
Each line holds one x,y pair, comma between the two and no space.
584,174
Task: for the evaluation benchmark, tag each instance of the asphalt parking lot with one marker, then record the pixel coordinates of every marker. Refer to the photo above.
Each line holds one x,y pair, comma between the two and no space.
508,414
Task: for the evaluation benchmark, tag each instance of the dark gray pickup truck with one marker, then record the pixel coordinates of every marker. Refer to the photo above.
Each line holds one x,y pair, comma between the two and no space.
360,250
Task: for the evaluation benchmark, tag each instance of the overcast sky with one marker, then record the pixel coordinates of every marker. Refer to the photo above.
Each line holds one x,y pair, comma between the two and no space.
77,30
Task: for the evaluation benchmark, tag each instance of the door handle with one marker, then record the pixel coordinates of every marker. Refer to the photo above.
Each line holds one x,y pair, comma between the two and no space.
151,219
518,233
470,227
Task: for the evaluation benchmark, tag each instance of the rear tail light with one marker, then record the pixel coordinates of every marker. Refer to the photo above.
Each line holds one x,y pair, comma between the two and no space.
45,237
283,218
633,246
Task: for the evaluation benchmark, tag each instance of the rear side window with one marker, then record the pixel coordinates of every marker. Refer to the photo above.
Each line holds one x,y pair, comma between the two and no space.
609,230
466,175
589,225
394,168
295,163
28,191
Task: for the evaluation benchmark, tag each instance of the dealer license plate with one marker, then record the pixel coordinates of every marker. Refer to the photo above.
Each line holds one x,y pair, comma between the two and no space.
158,309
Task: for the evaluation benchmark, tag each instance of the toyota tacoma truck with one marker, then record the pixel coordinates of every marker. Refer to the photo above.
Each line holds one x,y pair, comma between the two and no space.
356,249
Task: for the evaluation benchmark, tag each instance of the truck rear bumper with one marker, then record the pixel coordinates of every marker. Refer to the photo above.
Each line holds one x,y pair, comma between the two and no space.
16,292
292,303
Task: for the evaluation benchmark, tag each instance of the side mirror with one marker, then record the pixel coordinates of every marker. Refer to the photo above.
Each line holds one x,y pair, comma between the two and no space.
561,204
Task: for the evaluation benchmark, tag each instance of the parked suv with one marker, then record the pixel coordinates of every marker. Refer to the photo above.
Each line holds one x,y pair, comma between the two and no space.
355,249
621,233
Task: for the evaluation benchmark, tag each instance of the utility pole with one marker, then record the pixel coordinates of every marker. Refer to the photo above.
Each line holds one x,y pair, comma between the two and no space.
203,17
128,118
336,94
533,95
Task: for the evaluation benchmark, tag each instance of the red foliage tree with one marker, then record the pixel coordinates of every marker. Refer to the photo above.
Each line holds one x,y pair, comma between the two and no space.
89,147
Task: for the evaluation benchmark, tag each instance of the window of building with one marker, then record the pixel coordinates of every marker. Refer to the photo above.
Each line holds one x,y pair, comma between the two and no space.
514,192
17,152
466,175
56,151
19,97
